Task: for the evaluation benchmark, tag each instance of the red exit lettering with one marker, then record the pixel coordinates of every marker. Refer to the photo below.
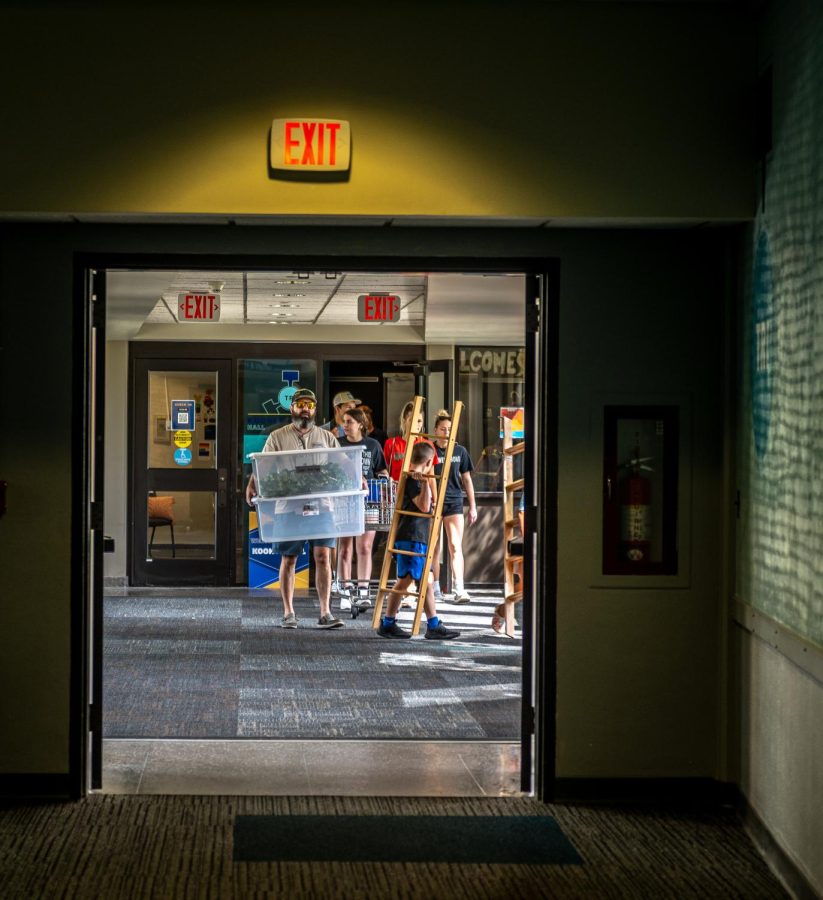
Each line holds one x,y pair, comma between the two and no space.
202,307
310,143
381,308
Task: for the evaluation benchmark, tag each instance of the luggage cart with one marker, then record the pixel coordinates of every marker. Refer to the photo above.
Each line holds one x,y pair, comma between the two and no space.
380,500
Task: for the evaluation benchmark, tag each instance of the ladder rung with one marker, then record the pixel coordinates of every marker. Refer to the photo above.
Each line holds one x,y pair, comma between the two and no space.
410,512
510,523
514,450
515,485
407,552
512,598
433,437
514,559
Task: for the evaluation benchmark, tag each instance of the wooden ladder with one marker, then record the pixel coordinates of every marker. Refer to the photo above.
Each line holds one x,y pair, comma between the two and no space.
435,515
511,593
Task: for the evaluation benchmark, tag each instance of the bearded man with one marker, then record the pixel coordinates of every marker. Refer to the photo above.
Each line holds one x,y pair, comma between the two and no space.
302,433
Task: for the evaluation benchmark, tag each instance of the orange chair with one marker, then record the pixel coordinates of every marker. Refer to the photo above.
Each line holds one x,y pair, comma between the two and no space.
160,515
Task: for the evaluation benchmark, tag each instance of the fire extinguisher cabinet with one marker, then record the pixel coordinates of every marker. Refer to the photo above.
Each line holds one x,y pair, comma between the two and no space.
640,465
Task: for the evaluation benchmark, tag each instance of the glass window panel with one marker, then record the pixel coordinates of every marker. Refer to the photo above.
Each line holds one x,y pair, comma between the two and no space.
164,442
181,525
490,384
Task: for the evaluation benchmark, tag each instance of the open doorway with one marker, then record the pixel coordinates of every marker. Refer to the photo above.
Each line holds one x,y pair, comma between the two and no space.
219,617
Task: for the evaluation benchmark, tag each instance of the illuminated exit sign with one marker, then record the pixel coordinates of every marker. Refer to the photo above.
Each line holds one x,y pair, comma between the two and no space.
310,145
198,307
378,308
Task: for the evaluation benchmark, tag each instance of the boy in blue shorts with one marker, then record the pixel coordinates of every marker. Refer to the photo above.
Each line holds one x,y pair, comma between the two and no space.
412,534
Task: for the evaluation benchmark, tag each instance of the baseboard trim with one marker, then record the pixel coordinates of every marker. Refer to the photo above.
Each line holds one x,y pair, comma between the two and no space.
680,791
794,879
30,786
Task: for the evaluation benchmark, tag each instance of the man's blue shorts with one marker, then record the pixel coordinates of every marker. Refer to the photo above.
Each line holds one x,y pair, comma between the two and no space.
410,565
295,548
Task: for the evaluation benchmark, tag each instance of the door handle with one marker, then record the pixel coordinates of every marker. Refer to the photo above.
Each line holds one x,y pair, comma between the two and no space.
222,481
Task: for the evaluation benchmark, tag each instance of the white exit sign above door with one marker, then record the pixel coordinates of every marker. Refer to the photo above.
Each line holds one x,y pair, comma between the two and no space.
310,145
198,307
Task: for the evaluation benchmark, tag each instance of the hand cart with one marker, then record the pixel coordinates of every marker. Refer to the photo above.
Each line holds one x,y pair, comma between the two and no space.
381,495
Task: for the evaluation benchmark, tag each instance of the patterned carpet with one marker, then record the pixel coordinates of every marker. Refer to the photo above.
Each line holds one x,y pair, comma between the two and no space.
130,848
221,667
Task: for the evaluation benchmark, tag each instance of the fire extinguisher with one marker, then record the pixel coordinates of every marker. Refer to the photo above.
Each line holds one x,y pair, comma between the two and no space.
636,510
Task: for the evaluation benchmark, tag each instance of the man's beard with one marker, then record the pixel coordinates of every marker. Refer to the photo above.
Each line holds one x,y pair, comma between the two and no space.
302,423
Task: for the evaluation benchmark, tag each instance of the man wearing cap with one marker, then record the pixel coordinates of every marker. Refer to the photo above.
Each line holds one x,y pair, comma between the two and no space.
342,403
301,434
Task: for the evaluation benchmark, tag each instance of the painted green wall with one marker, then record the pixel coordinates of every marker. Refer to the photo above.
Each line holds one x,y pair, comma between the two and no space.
551,110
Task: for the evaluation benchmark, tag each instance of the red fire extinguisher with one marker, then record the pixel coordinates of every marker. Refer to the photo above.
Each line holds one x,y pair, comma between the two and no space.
636,510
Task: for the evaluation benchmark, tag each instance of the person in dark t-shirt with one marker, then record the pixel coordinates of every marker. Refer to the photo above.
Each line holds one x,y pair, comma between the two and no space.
459,480
374,466
412,537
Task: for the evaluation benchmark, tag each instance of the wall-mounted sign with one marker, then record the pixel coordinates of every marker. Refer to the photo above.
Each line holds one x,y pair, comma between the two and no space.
493,361
182,415
378,308
310,145
198,307
182,438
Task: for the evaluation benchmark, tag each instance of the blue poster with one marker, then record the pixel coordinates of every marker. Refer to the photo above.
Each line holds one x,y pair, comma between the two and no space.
182,415
182,456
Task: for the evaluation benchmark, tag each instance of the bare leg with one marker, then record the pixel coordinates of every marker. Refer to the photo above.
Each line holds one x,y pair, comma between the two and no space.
435,569
429,605
322,577
287,567
396,595
364,543
344,554
454,526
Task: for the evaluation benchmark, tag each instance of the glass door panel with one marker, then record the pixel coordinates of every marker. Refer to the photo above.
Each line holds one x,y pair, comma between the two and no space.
181,525
182,508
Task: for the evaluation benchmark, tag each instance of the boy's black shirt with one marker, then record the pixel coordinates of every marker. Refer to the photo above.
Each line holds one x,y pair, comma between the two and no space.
412,528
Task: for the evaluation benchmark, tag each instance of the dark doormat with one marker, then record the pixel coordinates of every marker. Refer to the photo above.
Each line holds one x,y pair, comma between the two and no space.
455,839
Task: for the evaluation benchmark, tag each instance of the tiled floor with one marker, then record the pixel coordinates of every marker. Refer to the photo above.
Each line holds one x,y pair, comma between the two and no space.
304,768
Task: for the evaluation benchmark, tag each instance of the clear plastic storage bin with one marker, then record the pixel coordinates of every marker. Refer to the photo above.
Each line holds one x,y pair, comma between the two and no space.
301,473
297,473
311,516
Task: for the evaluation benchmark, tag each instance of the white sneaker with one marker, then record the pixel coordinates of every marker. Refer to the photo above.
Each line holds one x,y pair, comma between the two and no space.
345,602
363,601
438,594
461,597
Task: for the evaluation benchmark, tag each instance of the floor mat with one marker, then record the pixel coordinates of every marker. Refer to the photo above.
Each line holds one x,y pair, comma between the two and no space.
533,840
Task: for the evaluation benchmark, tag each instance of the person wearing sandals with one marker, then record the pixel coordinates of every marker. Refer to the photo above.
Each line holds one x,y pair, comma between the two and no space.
355,426
412,536
301,434
459,480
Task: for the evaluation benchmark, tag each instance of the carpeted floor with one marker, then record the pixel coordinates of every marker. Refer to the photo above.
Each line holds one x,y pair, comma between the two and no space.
221,667
129,848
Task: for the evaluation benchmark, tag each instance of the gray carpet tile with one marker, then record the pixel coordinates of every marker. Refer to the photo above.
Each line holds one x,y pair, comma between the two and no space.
222,667
129,848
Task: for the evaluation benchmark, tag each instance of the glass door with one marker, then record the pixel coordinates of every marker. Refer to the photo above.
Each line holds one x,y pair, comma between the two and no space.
181,510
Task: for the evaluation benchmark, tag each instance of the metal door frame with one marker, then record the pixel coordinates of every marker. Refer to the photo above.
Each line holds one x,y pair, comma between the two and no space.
180,572
540,550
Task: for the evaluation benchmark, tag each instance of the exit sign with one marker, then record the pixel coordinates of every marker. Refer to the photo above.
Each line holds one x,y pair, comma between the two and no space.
310,145
378,308
198,307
